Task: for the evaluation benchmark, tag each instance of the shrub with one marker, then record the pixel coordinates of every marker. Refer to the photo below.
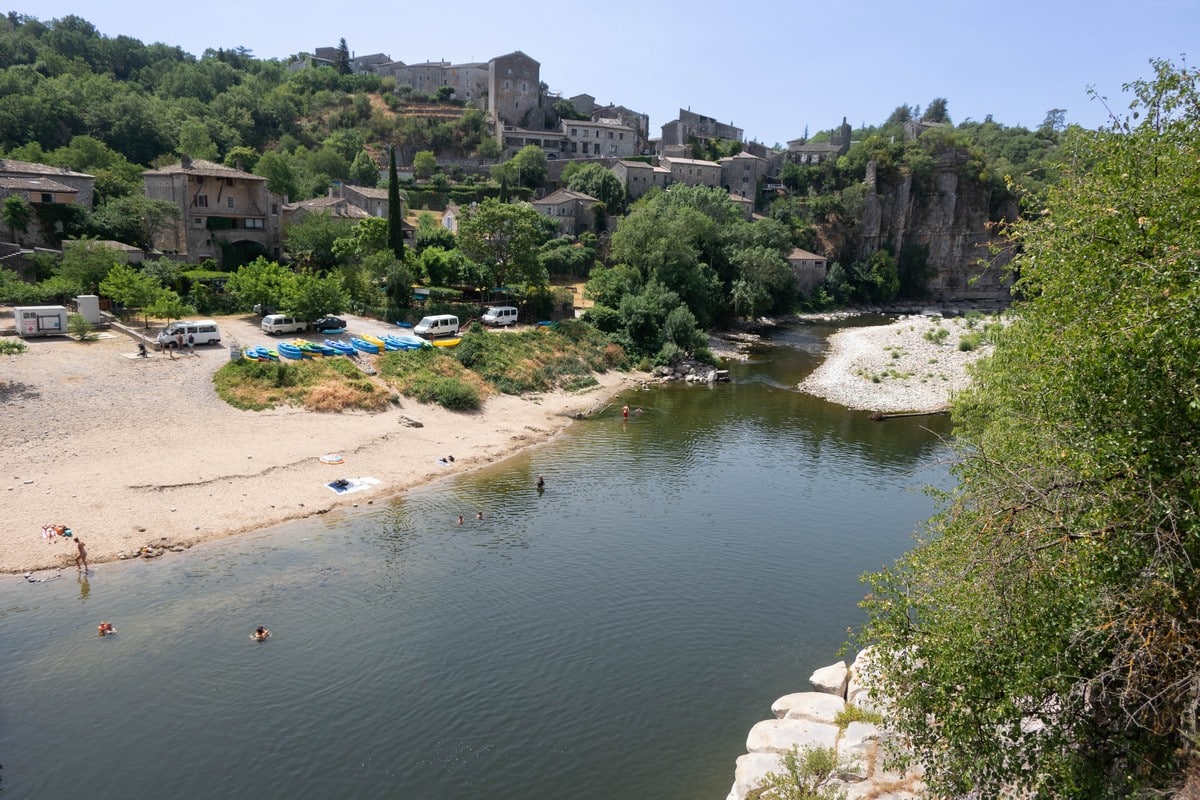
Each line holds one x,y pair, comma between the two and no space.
807,777
937,335
81,328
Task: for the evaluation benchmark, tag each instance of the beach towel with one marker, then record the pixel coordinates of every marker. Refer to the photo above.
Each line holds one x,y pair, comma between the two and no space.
351,485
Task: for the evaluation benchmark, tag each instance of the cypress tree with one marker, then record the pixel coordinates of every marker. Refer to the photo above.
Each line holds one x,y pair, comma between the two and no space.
395,209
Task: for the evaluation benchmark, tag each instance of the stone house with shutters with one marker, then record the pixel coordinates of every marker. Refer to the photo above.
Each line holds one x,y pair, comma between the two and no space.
43,185
223,211
570,209
450,216
370,199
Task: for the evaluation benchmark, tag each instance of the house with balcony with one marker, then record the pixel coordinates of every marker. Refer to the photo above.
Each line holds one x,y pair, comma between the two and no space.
570,209
227,214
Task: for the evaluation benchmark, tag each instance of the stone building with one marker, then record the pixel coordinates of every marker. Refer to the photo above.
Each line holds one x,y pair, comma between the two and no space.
227,214
693,172
741,173
370,199
43,185
809,268
570,209
514,88
690,126
638,177
604,137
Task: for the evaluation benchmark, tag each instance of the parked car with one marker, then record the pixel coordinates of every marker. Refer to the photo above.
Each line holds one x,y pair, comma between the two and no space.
499,316
329,324
437,325
281,323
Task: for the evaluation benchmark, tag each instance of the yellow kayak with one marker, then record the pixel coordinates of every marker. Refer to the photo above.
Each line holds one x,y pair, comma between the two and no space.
375,340
446,342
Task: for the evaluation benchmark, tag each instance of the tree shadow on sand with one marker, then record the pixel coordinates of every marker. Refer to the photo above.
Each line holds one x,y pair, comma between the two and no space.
15,390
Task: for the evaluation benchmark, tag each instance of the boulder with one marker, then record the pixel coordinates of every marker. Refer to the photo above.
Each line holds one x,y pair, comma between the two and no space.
814,706
750,772
781,735
831,679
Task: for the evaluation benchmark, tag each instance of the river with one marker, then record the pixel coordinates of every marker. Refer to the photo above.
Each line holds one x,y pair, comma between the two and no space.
615,636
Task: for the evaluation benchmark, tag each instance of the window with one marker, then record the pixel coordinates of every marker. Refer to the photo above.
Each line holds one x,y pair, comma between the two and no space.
47,197
229,181
202,200
198,222
574,131
254,223
507,84
610,134
229,202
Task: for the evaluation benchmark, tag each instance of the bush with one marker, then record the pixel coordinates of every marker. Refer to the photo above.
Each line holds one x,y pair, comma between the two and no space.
81,328
11,347
806,777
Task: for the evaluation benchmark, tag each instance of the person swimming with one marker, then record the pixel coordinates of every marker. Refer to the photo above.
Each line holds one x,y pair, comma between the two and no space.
106,629
541,482
260,634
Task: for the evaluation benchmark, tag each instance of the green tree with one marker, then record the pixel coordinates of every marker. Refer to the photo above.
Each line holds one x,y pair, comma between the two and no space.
342,63
364,171
134,219
261,283
86,263
1043,639
431,233
528,168
395,209
168,306
593,179
312,295
366,237
131,288
311,240
424,163
17,214
281,176
503,238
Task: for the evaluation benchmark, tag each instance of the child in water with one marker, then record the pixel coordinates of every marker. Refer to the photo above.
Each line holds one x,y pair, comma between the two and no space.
260,634
106,629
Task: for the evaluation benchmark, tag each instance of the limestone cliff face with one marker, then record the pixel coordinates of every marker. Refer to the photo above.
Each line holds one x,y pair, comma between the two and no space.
951,221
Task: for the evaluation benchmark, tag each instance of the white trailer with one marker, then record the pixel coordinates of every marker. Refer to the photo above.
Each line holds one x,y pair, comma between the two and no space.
40,320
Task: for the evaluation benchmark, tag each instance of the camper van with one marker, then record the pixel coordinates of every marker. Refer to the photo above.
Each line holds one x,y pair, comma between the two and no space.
282,323
499,316
201,331
437,325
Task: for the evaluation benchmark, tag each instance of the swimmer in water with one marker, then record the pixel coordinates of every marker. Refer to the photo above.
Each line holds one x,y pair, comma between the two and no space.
106,629
260,633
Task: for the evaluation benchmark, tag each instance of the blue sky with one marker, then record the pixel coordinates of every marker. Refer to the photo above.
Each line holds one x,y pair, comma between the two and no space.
771,68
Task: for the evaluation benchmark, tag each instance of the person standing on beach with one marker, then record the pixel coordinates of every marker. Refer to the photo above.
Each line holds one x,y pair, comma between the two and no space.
81,559
179,341
191,344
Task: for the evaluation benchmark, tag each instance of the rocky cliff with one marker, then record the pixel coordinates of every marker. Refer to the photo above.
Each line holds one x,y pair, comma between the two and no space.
951,220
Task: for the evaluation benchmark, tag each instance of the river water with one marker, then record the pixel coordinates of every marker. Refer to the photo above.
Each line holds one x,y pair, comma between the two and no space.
615,636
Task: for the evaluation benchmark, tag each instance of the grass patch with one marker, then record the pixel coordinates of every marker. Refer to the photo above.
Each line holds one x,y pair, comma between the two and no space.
853,713
538,360
12,347
430,375
937,335
327,384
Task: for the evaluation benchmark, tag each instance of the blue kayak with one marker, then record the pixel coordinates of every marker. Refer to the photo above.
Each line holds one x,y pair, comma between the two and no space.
290,351
341,348
365,346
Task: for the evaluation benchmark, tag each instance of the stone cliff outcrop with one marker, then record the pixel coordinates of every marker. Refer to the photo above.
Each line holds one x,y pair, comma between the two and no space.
951,220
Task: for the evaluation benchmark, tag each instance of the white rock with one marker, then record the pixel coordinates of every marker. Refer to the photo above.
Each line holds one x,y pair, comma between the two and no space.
751,770
831,679
781,735
857,735
815,706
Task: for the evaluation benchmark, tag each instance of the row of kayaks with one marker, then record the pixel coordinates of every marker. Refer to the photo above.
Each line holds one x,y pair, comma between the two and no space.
302,348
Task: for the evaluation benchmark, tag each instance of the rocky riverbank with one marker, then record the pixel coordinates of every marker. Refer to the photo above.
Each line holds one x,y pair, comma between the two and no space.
822,719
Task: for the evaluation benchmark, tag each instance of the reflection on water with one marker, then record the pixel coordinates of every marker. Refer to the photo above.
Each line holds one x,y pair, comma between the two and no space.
613,636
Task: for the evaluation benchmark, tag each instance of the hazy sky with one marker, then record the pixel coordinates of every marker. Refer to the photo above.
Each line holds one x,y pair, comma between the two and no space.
771,67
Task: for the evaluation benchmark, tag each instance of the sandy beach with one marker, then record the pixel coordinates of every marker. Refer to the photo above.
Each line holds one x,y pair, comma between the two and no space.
131,452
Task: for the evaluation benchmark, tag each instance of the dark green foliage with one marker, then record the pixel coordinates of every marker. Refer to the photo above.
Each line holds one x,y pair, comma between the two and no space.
1043,639
395,209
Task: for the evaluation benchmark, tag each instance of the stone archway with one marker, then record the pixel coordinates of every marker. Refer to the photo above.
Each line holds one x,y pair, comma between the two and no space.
243,251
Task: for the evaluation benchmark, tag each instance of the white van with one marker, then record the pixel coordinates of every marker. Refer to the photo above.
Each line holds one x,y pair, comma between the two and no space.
281,323
437,325
200,331
499,316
